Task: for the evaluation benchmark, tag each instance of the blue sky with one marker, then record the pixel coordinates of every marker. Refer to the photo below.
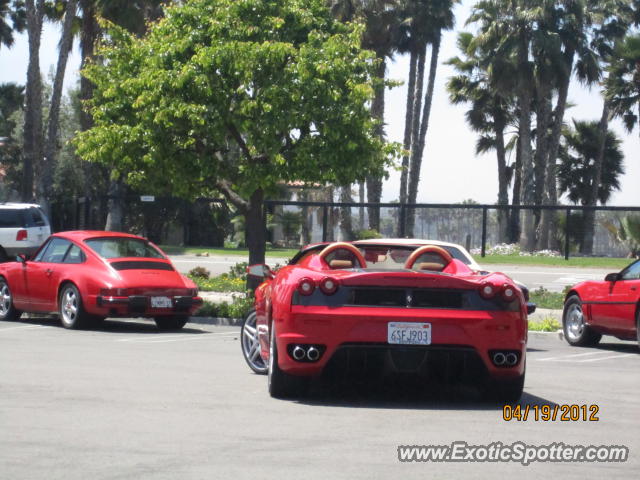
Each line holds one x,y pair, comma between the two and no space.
451,171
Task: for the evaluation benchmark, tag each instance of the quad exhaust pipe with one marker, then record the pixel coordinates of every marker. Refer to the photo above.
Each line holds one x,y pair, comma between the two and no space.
504,359
305,352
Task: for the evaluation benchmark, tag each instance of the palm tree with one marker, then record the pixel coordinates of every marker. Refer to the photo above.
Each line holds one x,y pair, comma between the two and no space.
427,20
622,87
491,111
12,19
382,21
577,172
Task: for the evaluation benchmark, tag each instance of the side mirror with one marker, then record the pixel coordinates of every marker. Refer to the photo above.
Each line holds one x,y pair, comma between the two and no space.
612,277
260,270
531,307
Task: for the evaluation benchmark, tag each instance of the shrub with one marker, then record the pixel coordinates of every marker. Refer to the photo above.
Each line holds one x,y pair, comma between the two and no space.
367,234
199,272
238,308
547,324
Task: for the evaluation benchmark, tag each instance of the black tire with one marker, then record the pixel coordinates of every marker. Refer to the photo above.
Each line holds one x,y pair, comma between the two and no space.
281,384
504,391
249,343
576,331
71,308
171,322
7,310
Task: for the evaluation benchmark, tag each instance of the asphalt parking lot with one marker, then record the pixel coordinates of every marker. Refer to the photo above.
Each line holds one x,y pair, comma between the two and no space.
127,401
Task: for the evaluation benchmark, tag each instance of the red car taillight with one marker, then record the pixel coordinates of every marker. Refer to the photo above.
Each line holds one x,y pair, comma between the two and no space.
329,285
21,235
306,286
488,290
508,293
114,292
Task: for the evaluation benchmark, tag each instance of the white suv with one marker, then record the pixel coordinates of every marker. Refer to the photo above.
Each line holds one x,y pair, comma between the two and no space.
23,228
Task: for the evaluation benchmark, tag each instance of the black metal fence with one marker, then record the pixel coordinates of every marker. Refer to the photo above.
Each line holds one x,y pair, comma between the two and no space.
208,221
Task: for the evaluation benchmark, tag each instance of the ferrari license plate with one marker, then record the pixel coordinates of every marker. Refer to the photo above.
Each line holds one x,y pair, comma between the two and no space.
409,333
160,302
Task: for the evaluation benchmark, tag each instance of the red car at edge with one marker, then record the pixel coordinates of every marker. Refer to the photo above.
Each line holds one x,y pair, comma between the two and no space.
609,307
388,306
85,276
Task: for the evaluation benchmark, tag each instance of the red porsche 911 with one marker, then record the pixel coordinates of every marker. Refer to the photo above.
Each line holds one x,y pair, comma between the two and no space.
85,276
387,307
609,307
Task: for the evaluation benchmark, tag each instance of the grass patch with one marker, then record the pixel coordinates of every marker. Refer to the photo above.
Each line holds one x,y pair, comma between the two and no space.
547,324
240,306
615,264
543,298
238,252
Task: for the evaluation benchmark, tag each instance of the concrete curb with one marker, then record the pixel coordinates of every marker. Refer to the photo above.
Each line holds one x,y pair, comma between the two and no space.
219,321
557,334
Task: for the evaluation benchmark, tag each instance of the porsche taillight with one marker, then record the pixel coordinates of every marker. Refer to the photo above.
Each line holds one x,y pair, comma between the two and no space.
21,235
114,292
329,285
306,286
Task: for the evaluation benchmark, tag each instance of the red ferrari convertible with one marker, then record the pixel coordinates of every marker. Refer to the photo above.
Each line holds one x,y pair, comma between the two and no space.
609,307
85,276
384,307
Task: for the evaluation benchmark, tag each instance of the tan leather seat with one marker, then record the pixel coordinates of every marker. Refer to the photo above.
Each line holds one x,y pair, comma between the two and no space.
433,266
340,264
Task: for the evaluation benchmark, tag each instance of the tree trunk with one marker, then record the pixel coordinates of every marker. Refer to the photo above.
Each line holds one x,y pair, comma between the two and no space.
256,240
503,181
543,121
33,148
416,155
374,183
362,199
590,215
307,220
527,237
514,216
345,214
408,125
115,206
45,185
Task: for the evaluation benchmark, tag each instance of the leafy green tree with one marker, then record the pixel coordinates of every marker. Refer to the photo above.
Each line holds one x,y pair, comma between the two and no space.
577,171
235,96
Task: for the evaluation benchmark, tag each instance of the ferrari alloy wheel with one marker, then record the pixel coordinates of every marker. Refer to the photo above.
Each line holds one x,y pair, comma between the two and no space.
172,322
251,345
281,384
576,331
7,310
71,309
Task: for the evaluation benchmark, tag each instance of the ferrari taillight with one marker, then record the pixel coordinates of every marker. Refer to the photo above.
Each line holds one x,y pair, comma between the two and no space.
488,290
306,286
21,235
329,285
508,293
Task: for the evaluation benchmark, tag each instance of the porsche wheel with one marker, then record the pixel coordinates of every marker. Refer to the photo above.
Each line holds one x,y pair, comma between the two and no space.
71,309
576,331
504,391
251,345
7,310
173,322
281,384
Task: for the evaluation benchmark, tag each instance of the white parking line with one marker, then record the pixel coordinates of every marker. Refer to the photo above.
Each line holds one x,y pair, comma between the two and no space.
574,357
173,338
26,327
609,357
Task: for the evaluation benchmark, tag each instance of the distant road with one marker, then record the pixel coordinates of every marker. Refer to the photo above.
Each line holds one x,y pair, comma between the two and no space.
554,279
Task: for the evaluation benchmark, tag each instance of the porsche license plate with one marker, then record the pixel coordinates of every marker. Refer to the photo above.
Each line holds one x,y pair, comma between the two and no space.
409,333
160,302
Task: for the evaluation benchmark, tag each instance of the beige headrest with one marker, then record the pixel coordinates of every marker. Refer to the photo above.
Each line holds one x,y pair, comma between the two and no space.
337,264
433,266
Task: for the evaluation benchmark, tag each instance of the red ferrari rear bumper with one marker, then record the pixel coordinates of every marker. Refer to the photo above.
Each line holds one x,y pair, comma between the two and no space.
332,329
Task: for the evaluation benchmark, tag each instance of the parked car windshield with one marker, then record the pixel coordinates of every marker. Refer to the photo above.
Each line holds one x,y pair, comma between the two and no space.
122,247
